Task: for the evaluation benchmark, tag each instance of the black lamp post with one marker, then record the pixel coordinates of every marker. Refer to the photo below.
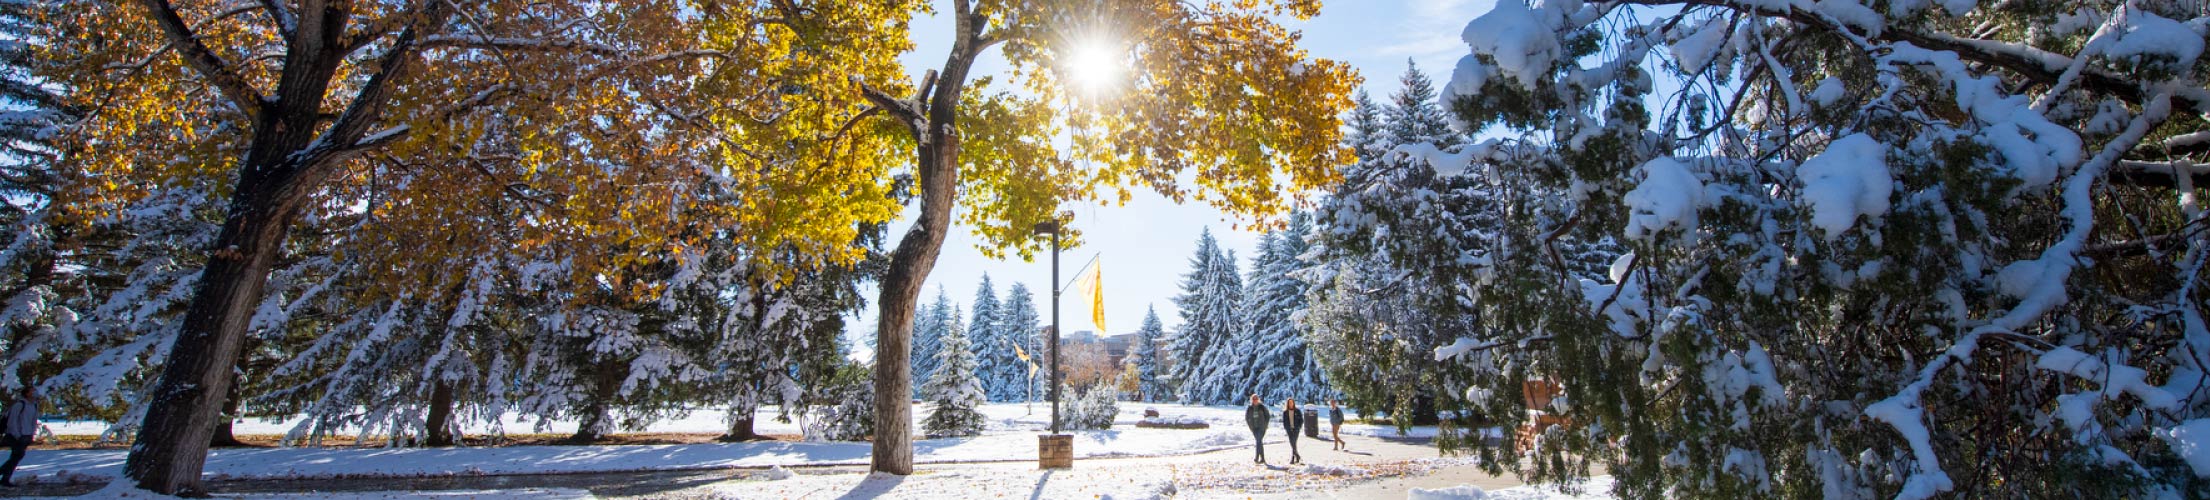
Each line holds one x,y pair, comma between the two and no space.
1053,228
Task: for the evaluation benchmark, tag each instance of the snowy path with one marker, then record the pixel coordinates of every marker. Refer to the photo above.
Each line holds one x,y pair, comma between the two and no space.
1127,460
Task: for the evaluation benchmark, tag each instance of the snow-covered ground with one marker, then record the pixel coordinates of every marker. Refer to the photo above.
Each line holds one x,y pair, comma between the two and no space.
1003,417
1009,437
1597,488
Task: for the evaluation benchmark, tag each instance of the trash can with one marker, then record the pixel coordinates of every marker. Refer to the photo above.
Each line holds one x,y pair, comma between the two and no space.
1312,423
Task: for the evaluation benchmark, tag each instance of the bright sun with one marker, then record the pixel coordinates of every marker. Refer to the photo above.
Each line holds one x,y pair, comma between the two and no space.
1095,65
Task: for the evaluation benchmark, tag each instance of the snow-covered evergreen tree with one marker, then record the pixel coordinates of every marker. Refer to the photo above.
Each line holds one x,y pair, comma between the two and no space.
1394,239
1017,324
1143,353
954,390
1282,365
1878,250
1212,322
929,328
995,362
1414,115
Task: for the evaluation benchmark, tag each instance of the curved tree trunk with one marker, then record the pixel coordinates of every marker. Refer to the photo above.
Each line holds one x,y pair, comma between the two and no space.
440,421
932,117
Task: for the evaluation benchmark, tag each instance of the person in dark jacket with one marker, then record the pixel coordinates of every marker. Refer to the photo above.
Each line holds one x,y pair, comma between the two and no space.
20,432
1257,417
1294,422
1335,423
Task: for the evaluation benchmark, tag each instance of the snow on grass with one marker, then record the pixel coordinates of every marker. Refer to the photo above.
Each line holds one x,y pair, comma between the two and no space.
1139,483
1011,437
119,489
1597,488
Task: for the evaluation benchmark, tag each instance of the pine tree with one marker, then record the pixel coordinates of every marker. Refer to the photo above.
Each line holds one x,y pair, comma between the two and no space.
1847,263
929,327
1218,373
994,358
954,389
1281,365
1018,326
1368,137
1188,347
1413,115
1143,353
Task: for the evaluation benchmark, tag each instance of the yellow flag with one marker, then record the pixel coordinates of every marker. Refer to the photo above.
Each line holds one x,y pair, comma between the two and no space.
1089,289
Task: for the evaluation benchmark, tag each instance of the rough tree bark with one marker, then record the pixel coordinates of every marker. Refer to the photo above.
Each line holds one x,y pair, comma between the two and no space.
226,434
289,154
931,116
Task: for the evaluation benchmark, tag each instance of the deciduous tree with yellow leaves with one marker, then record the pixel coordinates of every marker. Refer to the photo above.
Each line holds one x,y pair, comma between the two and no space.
1152,90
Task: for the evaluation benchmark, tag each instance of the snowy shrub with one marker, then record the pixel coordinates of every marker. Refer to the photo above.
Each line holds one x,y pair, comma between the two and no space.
1092,409
849,412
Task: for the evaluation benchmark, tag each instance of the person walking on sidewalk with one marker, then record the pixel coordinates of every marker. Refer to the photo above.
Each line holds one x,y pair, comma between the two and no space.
1335,423
1257,417
20,431
1294,422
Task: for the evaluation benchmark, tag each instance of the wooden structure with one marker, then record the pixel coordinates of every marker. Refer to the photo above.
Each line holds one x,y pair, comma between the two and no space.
1539,394
1055,451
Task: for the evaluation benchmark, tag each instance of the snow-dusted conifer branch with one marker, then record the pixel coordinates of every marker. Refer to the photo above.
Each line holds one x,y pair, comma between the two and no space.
1914,214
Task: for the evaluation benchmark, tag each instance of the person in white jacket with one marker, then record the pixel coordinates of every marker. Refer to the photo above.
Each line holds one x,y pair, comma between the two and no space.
21,431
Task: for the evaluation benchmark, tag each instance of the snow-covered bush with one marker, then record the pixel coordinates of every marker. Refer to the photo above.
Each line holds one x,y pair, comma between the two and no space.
849,414
1852,250
1092,409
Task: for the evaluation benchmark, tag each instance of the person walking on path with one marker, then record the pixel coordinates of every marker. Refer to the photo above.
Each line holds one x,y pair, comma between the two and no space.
1256,416
1294,422
21,430
1335,423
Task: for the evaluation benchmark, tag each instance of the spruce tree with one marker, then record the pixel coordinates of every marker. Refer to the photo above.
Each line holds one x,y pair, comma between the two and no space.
1144,354
1282,365
994,359
1018,325
1188,347
954,390
1920,250
1218,374
1414,116
928,331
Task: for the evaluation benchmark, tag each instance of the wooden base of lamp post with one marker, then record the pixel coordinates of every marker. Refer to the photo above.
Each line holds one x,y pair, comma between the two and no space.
1055,451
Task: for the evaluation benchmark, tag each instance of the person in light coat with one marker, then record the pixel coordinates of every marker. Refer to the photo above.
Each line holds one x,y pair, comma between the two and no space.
21,431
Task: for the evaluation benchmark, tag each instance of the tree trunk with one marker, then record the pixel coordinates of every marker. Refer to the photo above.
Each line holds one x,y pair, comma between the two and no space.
596,417
440,432
938,162
289,155
180,422
740,429
225,432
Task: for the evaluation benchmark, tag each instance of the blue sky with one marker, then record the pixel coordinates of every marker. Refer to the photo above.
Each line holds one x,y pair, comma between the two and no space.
1146,244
